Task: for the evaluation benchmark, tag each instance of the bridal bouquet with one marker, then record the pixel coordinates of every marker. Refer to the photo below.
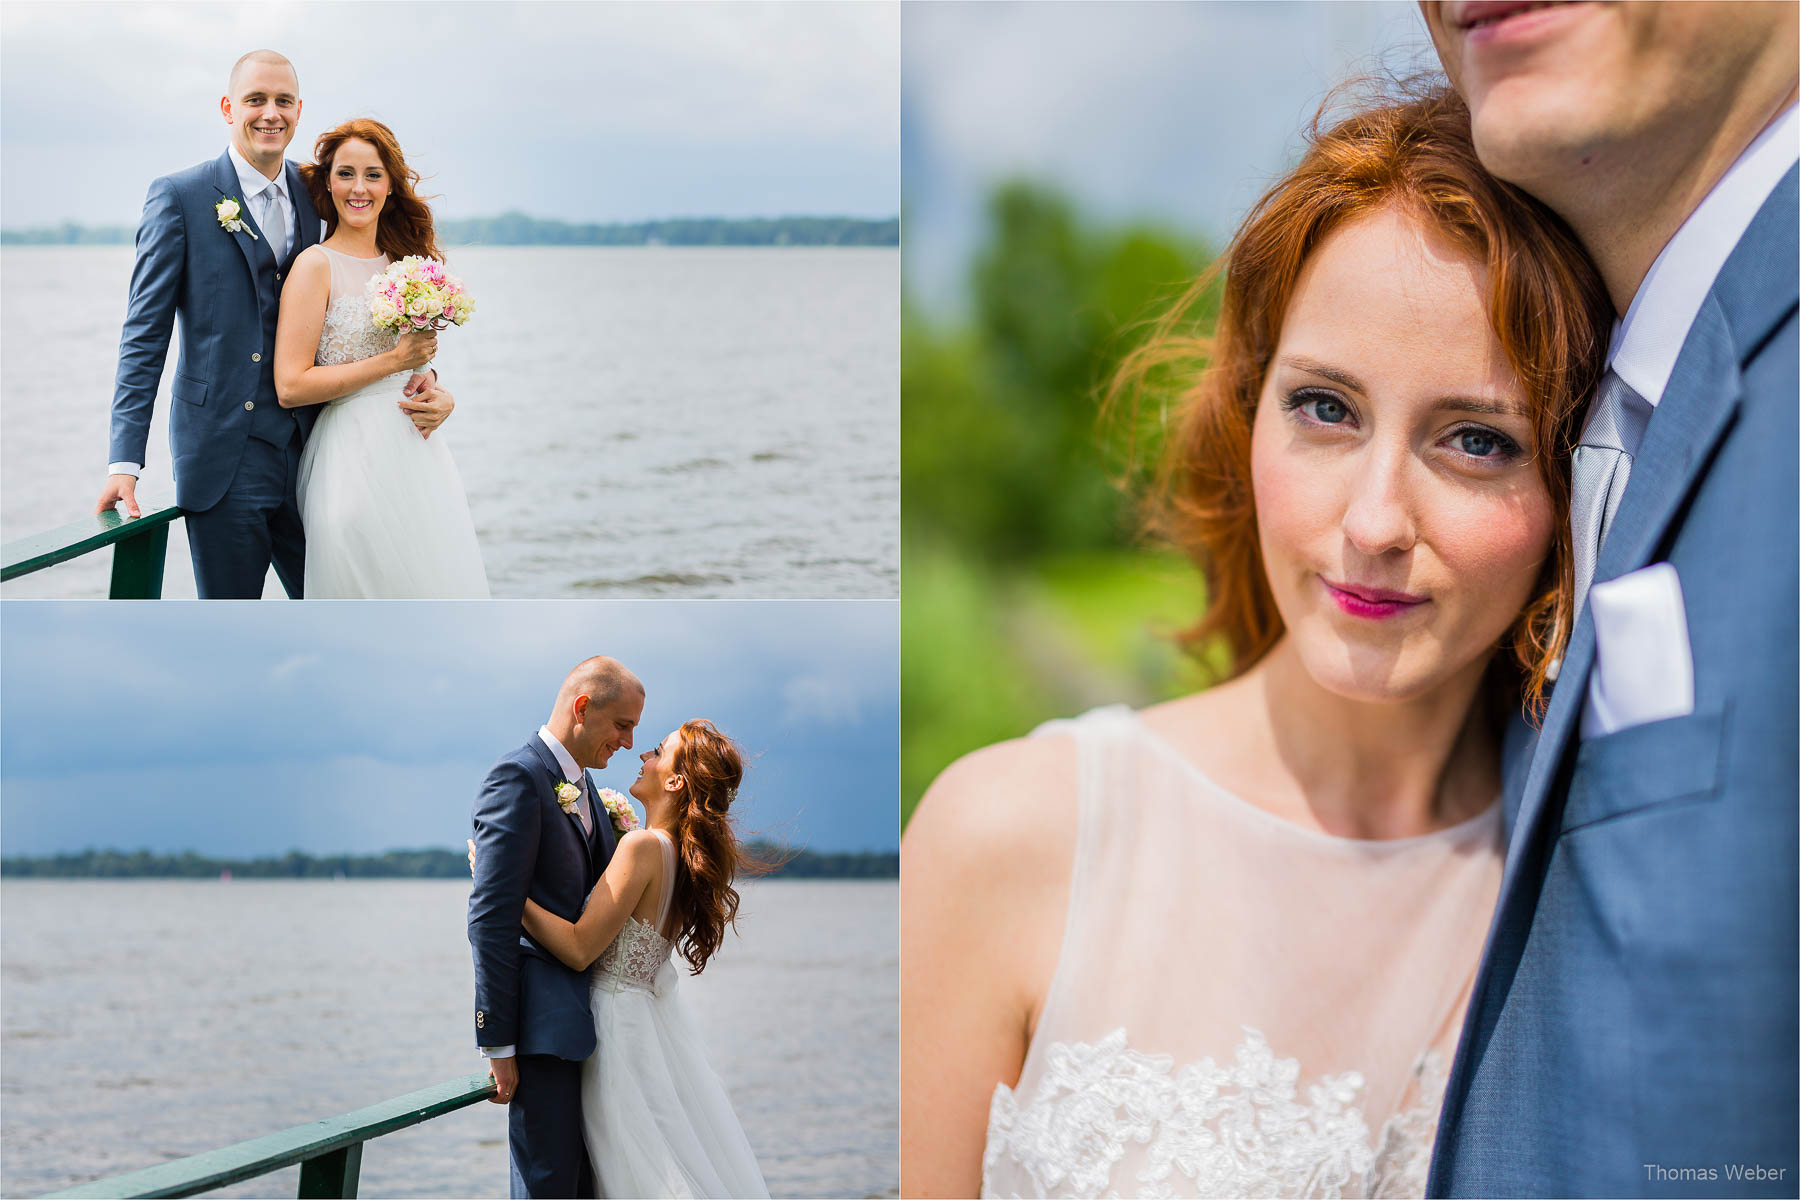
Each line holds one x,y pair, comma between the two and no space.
417,293
619,808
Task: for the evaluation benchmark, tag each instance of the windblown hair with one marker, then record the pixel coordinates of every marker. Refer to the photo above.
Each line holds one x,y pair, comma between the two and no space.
708,855
1408,148
405,226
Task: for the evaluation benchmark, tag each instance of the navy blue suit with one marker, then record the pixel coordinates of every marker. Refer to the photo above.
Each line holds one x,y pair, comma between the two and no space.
1632,1027
526,846
236,451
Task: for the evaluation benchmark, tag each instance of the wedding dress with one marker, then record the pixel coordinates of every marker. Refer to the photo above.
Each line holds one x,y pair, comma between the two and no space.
1241,1006
383,508
654,1114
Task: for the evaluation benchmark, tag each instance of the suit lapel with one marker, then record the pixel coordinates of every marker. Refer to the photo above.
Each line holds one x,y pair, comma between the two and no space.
306,217
225,179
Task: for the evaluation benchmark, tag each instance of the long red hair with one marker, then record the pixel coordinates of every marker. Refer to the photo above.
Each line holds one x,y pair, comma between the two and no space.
1545,301
405,226
708,853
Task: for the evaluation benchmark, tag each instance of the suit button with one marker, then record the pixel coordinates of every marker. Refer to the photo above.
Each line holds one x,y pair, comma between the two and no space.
480,1020
249,405
257,357
278,277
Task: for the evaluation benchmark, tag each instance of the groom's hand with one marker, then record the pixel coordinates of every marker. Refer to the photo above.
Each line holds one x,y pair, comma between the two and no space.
505,1074
120,487
426,403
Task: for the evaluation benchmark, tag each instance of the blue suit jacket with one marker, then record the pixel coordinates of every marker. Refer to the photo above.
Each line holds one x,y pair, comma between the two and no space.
525,845
227,288
1632,1029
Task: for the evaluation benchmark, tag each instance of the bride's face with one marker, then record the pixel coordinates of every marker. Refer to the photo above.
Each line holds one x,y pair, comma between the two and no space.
659,767
359,184
1402,520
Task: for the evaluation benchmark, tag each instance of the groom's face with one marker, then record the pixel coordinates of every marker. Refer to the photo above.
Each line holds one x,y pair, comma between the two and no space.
605,729
263,110
1558,90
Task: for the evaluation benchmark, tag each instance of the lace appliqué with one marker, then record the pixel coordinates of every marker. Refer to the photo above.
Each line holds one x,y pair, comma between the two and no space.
350,334
1236,1129
633,959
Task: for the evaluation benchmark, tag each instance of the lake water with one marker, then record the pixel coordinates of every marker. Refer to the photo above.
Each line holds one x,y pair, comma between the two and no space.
644,421
147,1019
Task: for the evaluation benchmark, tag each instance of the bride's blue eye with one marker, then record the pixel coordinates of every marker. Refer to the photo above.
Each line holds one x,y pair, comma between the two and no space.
1484,444
1327,408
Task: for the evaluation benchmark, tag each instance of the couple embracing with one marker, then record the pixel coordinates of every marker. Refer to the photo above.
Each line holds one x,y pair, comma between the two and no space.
300,431
1477,875
574,919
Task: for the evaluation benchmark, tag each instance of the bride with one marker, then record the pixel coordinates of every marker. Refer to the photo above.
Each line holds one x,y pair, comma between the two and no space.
655,1117
381,504
1222,946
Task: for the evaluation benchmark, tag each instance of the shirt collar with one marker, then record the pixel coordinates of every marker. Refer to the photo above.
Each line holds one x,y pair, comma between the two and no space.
1647,341
254,181
564,759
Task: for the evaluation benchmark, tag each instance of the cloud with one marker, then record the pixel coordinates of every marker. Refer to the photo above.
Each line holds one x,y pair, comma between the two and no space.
817,698
288,666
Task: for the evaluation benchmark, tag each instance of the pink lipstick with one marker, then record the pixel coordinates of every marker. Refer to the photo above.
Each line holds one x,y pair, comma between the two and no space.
1372,603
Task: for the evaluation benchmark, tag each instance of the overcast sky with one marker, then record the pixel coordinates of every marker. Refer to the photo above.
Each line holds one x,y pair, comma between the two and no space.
1176,113
230,729
587,112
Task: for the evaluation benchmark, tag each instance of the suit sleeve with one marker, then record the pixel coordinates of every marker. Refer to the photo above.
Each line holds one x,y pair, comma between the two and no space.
506,844
156,282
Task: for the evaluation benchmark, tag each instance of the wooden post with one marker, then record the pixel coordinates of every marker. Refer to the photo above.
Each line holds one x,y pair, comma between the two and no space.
331,1176
137,569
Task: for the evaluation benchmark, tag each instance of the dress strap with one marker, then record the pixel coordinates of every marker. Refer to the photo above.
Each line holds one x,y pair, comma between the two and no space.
668,851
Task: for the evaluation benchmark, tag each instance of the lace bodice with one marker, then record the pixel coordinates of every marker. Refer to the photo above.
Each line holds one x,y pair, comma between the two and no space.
639,952
350,334
1241,1007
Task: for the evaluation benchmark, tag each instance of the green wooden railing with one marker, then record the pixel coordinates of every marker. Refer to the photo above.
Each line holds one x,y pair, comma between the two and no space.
329,1152
139,548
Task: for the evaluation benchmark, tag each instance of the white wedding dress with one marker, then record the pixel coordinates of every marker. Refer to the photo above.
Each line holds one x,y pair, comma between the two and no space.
383,508
654,1114
1241,1006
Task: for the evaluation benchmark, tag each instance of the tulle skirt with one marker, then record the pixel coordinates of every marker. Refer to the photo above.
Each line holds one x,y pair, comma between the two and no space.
655,1114
383,508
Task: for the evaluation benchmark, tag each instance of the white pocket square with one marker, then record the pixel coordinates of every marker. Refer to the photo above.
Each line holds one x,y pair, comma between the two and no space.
1643,665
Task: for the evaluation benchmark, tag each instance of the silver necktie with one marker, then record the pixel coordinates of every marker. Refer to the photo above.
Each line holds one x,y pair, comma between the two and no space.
585,810
275,223
1599,471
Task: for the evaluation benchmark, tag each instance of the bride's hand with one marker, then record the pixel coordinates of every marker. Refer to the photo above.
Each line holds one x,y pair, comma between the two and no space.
471,856
415,348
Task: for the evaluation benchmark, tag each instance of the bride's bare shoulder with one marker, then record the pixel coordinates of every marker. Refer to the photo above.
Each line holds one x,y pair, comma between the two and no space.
1005,810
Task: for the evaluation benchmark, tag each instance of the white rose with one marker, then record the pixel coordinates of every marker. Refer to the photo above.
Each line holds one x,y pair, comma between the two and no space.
228,210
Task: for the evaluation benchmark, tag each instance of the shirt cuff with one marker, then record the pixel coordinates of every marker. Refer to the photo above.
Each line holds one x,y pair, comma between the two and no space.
125,468
499,1051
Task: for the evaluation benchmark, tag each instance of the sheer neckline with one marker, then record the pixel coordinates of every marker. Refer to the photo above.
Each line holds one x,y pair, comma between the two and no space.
1460,831
350,257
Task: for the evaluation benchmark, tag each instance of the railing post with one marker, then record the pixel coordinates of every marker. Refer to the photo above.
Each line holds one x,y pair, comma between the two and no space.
137,569
332,1176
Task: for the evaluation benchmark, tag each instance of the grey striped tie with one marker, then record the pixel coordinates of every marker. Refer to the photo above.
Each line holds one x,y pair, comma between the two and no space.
1599,471
275,223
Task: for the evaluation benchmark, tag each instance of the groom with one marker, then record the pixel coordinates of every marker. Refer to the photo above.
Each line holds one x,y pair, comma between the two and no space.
532,1019
1632,1030
214,245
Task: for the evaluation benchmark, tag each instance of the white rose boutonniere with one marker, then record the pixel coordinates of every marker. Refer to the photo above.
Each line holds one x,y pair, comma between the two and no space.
231,217
619,809
566,795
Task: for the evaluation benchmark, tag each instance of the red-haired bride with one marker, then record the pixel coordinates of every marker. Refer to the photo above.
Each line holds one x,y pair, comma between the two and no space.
381,503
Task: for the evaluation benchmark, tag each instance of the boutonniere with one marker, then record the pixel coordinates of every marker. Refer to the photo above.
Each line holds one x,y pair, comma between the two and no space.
566,795
231,217
619,809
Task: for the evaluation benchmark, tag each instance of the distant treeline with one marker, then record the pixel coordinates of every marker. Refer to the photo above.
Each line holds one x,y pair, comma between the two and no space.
395,864
517,229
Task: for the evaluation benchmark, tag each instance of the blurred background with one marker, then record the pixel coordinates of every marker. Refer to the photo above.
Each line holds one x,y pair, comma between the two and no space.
1067,172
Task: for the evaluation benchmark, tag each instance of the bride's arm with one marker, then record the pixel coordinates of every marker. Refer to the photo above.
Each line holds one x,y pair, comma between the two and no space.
300,381
635,866
984,893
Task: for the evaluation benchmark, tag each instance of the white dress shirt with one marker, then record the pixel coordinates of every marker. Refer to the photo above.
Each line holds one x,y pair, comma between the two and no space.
1646,343
574,774
259,192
